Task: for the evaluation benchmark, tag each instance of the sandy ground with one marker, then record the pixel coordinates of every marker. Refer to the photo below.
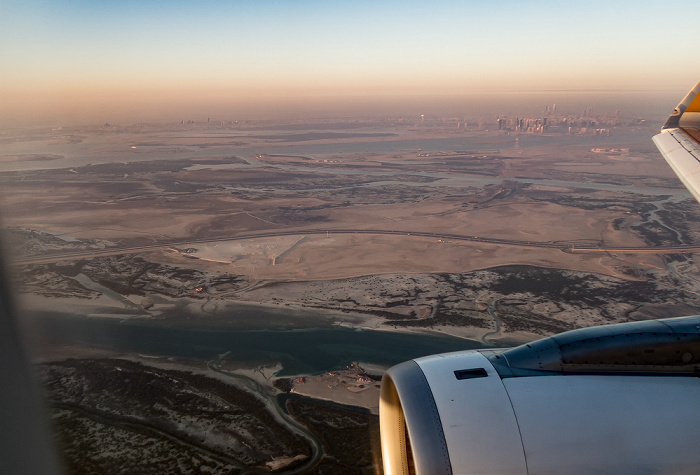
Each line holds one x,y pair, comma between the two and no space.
450,192
314,257
344,386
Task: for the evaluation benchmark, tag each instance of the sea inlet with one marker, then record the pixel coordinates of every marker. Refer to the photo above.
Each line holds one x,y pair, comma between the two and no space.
310,350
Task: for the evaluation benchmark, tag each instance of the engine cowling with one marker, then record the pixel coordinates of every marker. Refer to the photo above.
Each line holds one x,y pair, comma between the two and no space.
614,399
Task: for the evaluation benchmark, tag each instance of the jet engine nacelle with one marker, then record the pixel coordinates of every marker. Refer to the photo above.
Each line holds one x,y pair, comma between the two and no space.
613,399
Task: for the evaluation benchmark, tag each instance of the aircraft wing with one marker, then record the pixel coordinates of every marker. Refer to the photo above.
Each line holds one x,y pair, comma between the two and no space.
679,141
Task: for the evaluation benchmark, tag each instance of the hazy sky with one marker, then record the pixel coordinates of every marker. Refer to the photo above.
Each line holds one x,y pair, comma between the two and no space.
132,58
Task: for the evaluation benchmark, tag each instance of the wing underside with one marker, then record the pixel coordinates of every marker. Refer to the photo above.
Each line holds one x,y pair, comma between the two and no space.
679,141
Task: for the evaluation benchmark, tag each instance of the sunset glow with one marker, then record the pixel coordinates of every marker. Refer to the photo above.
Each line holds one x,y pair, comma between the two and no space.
89,59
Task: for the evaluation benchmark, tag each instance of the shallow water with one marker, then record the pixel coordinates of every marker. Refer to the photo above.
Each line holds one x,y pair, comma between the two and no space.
300,351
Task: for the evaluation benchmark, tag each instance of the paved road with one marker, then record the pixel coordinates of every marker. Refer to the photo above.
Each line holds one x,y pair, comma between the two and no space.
561,246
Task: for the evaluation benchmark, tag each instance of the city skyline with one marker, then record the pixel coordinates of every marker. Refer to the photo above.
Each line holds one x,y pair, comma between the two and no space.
135,60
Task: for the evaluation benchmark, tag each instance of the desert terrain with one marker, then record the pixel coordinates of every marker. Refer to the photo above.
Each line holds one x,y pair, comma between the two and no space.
418,228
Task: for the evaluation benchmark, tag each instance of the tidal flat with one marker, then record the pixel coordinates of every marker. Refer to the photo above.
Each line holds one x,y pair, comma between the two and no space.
292,263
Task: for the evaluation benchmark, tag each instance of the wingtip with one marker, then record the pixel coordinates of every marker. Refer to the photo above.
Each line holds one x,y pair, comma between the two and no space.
673,121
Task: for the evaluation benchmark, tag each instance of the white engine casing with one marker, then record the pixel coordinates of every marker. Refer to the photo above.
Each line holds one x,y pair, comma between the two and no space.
454,413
